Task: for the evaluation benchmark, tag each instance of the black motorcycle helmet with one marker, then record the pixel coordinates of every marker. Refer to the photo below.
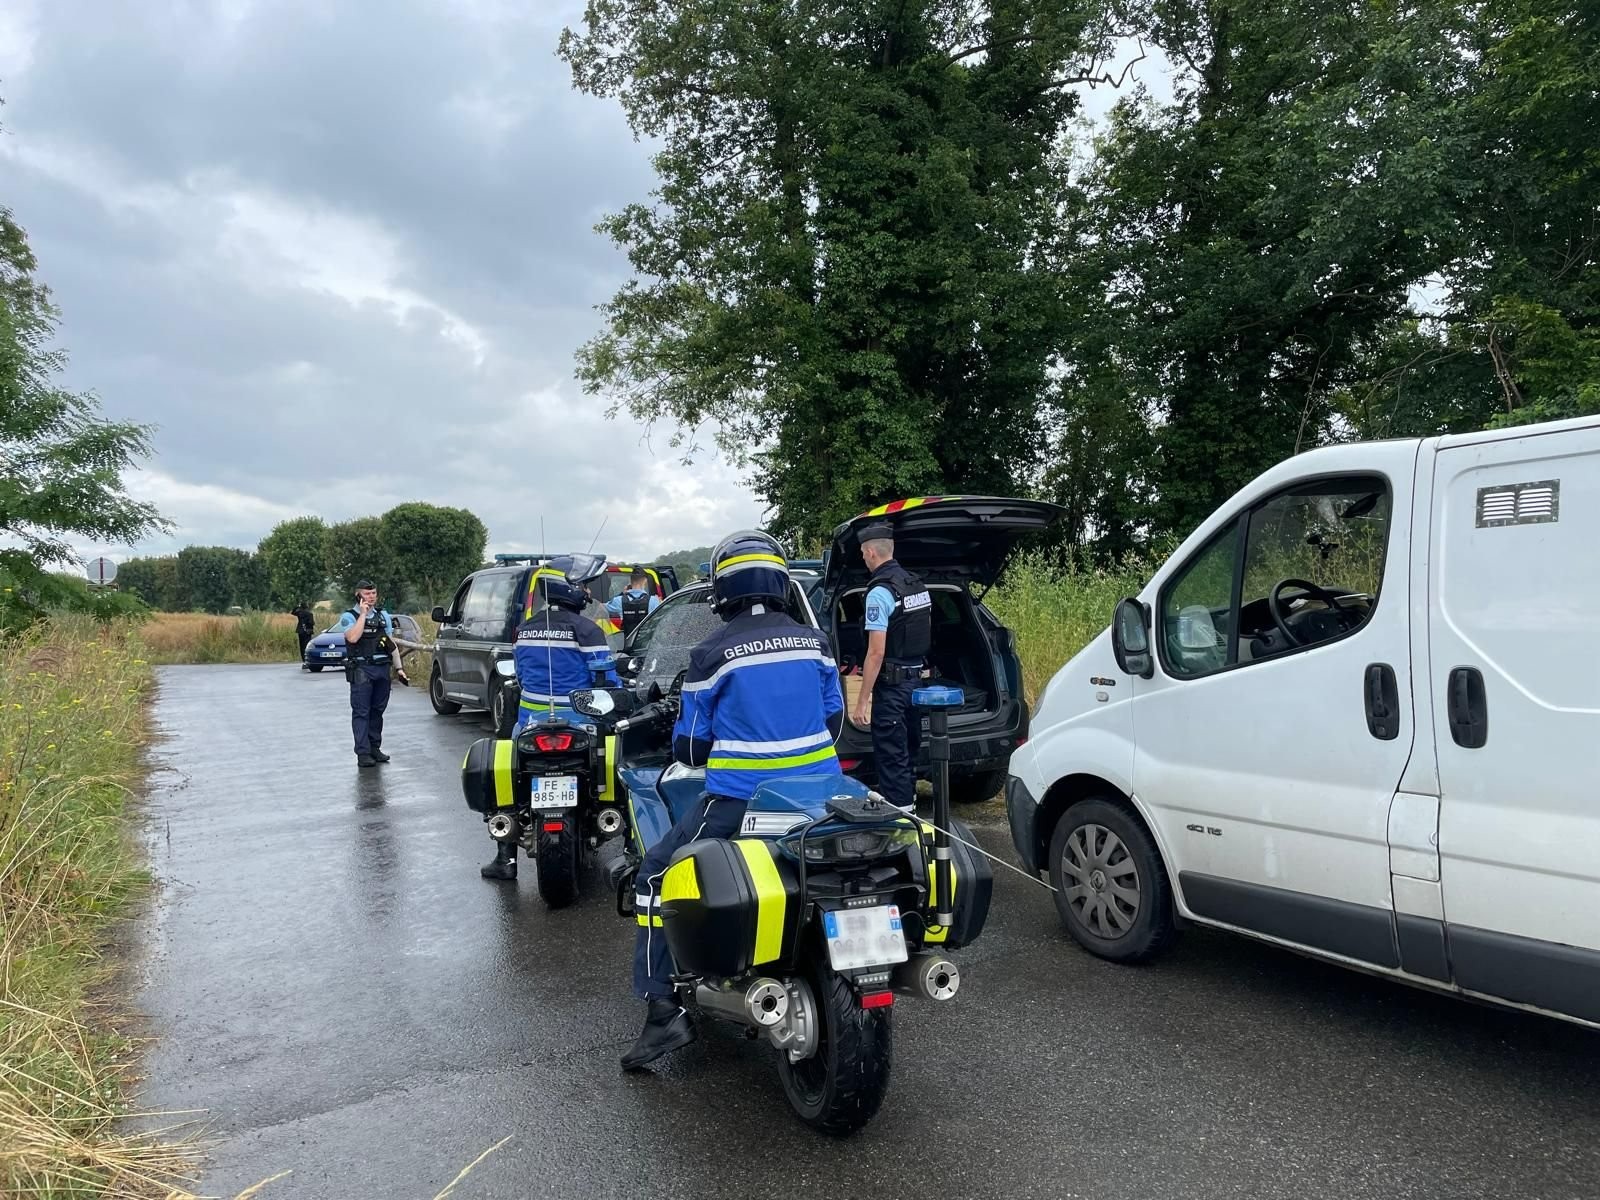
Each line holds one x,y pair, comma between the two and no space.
748,568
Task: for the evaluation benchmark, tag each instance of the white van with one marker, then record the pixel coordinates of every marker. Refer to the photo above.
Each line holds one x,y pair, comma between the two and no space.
1357,714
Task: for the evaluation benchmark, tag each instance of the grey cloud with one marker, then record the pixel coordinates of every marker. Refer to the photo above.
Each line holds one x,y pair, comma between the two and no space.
257,228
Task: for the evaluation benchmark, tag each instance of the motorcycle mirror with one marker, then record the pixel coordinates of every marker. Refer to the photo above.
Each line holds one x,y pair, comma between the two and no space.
654,692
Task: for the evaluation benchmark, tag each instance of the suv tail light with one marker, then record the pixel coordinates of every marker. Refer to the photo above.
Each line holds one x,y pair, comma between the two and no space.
849,764
550,743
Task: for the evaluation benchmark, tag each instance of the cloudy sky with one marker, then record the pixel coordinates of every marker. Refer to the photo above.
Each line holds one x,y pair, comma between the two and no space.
341,254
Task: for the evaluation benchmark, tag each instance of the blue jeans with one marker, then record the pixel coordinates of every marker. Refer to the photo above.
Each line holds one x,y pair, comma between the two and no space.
369,696
713,817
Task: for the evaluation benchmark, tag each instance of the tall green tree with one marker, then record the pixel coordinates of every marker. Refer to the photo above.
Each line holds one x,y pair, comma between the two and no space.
203,577
249,581
356,550
154,581
61,463
847,265
433,548
1243,244
294,554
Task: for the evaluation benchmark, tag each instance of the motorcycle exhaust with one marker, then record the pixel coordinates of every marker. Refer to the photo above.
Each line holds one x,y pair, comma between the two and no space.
503,827
930,975
609,821
761,1004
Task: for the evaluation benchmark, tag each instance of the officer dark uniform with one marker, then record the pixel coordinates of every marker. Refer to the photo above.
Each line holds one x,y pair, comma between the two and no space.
634,605
305,627
369,658
898,621
558,651
761,697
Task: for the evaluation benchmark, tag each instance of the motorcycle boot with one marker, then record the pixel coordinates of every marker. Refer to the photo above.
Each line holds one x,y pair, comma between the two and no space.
667,1027
504,866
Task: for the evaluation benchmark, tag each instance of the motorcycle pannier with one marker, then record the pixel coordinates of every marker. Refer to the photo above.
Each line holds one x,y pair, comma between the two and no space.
487,777
974,882
728,906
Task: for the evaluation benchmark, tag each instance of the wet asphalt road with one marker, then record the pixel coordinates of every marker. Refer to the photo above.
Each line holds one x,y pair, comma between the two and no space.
329,980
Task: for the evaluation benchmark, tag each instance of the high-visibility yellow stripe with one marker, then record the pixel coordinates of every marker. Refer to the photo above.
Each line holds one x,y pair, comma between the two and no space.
646,922
770,898
680,882
744,558
503,797
771,764
608,778
937,933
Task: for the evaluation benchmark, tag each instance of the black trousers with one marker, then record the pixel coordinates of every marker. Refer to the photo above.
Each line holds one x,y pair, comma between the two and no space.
369,696
896,737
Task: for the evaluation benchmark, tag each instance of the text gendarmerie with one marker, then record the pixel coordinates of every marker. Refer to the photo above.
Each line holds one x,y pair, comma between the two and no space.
771,646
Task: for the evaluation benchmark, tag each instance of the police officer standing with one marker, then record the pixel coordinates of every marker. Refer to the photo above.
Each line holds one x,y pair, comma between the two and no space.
634,604
304,626
899,626
369,657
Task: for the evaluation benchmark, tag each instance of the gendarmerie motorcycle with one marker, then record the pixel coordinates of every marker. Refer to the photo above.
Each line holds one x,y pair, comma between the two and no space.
552,789
803,928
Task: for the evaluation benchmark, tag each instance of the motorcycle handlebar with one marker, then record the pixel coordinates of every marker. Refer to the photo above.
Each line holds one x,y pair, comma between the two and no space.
659,711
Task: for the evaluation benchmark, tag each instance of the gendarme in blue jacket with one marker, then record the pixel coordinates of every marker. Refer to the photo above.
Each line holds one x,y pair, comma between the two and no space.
761,698
556,654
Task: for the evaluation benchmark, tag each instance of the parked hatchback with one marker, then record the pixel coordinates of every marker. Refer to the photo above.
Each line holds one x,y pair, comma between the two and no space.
327,649
958,545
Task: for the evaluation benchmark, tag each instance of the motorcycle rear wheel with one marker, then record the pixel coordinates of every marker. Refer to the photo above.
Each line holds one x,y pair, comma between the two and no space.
557,859
840,1087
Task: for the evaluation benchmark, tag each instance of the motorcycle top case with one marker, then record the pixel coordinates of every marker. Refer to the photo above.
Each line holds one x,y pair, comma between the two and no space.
974,883
488,775
728,906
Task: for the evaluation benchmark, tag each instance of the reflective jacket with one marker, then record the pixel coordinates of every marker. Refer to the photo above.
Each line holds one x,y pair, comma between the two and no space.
556,654
761,699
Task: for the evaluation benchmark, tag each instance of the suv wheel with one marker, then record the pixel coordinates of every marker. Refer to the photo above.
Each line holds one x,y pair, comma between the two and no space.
1111,890
503,711
441,704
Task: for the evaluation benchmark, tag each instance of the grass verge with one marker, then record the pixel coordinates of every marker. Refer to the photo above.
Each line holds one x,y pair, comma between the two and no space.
1057,611
72,732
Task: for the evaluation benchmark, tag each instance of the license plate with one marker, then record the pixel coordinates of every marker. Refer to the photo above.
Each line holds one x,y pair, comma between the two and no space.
555,791
864,937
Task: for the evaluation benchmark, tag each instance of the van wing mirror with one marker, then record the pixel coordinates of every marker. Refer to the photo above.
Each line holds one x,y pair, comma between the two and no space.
440,617
627,666
1130,639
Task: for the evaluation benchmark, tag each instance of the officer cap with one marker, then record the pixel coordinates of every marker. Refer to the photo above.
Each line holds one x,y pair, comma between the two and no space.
882,531
366,585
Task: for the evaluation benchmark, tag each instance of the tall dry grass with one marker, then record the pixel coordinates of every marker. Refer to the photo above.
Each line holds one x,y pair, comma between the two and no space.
201,638
72,732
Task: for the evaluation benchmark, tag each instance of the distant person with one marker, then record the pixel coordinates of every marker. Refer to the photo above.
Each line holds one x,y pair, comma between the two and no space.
305,626
634,604
369,659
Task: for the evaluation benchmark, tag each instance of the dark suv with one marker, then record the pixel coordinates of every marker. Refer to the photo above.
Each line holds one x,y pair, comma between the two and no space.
958,545
472,661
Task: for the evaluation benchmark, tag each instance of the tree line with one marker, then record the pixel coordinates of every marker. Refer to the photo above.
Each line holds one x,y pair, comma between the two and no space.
885,257
416,553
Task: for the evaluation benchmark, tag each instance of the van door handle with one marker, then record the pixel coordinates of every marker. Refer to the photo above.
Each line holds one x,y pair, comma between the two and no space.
1383,702
1468,706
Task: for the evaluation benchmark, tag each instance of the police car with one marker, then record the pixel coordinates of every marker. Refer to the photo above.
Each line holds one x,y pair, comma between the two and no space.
959,545
327,649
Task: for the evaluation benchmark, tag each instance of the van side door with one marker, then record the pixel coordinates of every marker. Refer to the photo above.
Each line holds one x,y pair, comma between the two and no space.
450,638
1276,729
1515,682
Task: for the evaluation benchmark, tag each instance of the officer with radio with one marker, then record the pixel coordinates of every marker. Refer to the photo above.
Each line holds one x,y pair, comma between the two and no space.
369,659
899,631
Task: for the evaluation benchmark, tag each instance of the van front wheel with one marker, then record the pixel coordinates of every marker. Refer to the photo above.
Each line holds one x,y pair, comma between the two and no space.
1111,890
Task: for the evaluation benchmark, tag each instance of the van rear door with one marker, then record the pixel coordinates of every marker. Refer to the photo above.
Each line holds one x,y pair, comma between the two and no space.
1515,679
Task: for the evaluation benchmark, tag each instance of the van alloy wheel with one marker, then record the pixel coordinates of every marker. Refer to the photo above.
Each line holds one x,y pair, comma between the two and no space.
1102,879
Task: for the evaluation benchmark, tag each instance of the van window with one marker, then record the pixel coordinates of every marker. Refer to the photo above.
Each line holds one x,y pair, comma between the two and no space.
491,597
1311,572
1196,609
